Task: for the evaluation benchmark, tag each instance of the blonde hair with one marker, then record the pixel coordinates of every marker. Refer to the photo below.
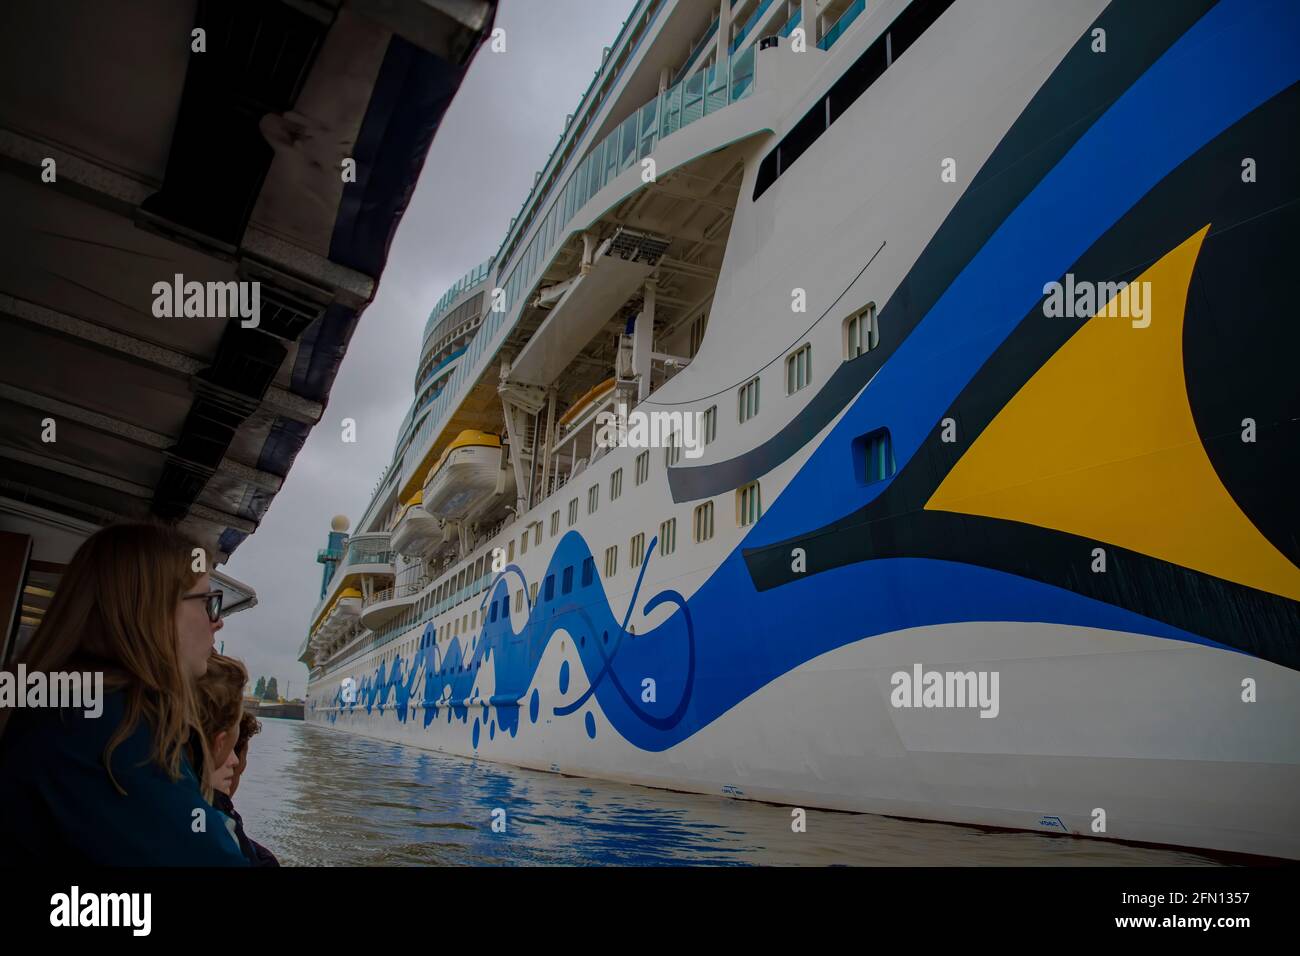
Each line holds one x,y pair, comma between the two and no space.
115,610
221,695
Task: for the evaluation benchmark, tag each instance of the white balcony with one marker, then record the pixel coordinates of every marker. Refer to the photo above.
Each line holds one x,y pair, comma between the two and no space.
363,554
387,604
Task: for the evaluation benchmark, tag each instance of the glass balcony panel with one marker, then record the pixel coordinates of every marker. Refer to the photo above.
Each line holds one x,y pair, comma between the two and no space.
596,166
596,163
749,25
693,99
628,141
843,23
742,75
593,176
672,111
574,198
613,152
610,158
716,89
649,128
700,46
583,177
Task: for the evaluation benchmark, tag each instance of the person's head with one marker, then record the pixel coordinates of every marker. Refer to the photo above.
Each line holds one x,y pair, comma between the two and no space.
130,604
248,726
221,707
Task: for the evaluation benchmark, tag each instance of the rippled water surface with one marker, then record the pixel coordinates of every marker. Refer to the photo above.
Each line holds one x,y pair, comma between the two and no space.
321,797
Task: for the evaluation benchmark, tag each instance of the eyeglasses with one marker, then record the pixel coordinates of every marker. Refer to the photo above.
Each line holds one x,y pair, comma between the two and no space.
212,605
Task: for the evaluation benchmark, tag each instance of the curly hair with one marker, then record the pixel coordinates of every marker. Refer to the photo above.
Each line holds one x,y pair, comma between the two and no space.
221,695
248,727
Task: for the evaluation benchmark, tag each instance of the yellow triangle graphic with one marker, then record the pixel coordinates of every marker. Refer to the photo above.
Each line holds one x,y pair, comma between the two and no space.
1101,443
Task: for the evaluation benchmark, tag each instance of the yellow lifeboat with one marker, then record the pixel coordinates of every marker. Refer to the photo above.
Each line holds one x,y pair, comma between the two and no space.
415,530
583,405
465,476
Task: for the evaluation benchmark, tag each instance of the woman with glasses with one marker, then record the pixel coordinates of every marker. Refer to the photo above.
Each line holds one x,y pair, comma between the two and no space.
122,788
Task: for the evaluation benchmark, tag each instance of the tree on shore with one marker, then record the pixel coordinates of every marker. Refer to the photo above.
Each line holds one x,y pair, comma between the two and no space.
272,692
260,690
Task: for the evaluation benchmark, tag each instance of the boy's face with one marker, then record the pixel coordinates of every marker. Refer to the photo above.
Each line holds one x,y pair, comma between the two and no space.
223,745
223,758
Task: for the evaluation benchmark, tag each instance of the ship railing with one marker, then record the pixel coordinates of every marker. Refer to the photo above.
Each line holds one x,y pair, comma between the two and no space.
433,373
470,279
469,590
843,23
700,45
585,424
393,593
411,618
749,25
462,320
793,22
368,555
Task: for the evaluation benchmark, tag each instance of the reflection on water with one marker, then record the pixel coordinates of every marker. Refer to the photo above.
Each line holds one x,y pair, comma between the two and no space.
322,797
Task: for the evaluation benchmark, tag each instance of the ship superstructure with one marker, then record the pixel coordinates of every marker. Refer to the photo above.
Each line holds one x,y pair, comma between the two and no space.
902,536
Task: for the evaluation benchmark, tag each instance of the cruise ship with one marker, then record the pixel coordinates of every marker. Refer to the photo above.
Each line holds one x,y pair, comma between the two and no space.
958,481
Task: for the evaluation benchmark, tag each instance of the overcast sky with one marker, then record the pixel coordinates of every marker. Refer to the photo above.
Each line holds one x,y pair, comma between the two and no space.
496,135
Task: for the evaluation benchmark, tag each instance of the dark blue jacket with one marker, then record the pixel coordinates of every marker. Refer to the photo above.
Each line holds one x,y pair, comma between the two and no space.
257,854
58,806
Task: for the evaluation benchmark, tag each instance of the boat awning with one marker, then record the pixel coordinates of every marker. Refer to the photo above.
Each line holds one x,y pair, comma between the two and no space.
236,595
128,157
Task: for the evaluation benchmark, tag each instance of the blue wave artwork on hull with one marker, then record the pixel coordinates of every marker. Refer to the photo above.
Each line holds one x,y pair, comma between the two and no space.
697,680
729,639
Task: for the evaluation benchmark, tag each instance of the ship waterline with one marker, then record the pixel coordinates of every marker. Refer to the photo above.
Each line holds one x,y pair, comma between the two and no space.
299,798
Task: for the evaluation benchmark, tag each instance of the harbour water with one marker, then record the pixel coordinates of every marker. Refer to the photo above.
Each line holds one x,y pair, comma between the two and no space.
317,797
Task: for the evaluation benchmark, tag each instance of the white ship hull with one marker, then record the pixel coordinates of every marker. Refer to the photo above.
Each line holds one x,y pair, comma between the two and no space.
980,485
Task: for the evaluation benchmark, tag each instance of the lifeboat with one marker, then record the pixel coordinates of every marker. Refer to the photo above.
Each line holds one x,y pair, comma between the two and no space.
344,610
415,529
465,476
349,602
584,404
